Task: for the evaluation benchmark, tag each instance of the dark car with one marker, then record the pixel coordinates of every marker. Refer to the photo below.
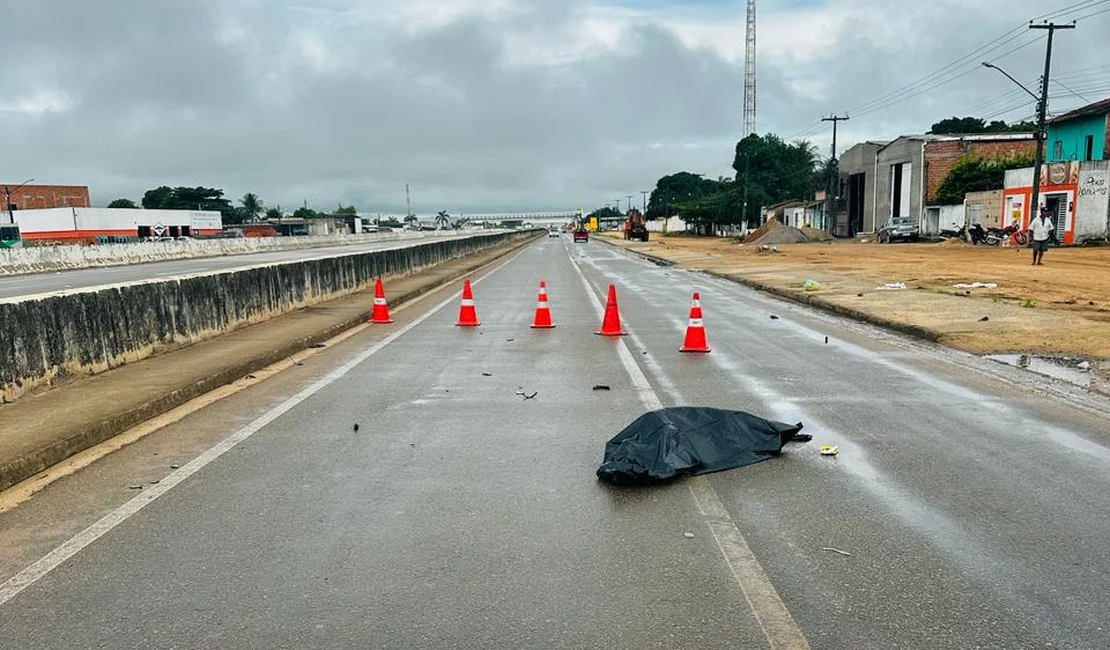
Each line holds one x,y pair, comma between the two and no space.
581,235
899,229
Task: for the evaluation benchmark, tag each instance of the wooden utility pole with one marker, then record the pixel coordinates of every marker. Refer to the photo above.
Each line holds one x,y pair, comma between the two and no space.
1042,111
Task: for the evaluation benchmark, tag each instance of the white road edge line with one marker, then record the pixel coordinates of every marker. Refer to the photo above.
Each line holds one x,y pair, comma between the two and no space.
36,571
778,626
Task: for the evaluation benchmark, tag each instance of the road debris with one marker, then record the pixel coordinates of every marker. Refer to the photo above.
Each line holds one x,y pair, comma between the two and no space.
835,550
532,396
984,319
773,317
251,377
299,363
487,374
509,340
829,450
687,440
318,345
826,340
892,286
355,428
175,466
976,285
688,535
134,487
811,285
601,387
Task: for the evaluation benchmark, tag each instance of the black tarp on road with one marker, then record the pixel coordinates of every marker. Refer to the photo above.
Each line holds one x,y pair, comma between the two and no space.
672,442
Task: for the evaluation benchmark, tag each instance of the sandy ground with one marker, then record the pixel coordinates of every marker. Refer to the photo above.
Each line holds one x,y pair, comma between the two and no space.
1062,307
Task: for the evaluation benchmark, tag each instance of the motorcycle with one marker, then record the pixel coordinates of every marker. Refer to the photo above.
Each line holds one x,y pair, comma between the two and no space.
996,236
977,234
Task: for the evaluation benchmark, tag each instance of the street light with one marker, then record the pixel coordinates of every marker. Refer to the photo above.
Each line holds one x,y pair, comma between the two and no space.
8,198
987,64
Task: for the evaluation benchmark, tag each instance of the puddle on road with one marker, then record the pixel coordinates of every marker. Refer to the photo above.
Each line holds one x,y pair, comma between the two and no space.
1063,368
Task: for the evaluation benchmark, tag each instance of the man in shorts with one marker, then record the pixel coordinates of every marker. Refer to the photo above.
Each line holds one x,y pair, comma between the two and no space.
1043,229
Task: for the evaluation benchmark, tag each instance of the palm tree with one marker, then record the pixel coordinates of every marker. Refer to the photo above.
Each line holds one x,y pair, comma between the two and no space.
443,220
252,205
274,213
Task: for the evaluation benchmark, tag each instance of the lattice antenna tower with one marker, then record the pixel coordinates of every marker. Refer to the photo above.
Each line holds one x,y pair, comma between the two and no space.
749,72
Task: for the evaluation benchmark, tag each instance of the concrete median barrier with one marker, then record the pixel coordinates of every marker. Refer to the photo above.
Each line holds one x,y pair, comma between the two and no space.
70,334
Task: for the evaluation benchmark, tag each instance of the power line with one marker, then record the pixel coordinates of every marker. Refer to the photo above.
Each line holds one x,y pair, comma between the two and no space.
1070,90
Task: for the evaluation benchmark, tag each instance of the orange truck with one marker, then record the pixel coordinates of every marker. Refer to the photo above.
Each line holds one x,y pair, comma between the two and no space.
634,227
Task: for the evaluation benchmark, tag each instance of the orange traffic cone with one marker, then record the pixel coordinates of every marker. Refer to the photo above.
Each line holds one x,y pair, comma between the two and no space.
542,319
381,308
467,316
695,331
611,324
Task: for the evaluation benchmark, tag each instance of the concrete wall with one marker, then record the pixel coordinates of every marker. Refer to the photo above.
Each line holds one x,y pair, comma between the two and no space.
860,159
37,259
1092,203
942,155
92,331
902,150
987,205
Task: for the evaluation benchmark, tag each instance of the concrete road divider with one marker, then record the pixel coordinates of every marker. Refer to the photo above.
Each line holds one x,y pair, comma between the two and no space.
71,334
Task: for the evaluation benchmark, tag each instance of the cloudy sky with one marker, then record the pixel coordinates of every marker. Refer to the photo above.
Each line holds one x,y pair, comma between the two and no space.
492,105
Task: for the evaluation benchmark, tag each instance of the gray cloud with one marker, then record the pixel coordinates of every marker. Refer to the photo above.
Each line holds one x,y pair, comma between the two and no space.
324,103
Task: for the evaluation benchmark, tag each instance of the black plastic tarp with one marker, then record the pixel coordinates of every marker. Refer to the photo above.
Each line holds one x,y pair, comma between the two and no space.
672,442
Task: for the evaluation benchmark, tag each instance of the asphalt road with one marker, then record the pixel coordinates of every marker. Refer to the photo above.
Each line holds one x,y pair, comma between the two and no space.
38,283
969,512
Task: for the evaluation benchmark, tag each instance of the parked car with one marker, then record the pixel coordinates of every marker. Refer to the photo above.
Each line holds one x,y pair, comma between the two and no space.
581,235
899,229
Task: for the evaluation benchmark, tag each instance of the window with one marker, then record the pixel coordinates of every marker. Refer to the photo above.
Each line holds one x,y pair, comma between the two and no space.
1089,148
1058,150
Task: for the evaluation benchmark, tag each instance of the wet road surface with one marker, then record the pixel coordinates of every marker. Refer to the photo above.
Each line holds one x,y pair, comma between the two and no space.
968,512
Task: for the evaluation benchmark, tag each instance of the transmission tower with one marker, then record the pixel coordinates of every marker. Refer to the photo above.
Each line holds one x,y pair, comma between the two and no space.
749,73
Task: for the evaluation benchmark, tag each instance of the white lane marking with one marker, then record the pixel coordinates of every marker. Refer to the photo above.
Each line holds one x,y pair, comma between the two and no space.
75,544
778,626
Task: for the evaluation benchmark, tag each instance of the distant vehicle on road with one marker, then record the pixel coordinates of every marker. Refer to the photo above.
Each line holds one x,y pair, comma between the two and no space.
581,235
552,232
634,227
899,229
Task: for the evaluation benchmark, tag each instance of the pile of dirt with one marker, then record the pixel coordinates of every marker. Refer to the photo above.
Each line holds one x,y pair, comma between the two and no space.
773,232
816,234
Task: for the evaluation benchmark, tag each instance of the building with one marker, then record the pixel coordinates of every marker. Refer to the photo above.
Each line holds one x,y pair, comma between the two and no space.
103,225
857,187
43,197
984,208
910,168
1081,134
1076,192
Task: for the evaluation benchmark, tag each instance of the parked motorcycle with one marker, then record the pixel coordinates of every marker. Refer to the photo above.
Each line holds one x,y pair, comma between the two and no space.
977,234
996,236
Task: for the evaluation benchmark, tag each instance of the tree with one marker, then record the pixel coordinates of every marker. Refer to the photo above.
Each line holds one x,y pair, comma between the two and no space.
974,174
348,210
682,187
306,213
974,125
392,222
123,203
191,198
252,206
409,218
274,213
768,171
443,220
603,214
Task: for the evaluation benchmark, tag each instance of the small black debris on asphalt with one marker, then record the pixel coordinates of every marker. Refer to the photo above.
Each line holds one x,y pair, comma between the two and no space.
859,295
251,377
773,317
487,374
532,395
509,340
299,363
984,319
826,340
134,487
600,387
412,444
355,427
155,482
1091,303
317,345
175,466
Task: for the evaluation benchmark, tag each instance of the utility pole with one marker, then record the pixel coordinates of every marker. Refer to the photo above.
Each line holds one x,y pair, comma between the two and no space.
629,197
834,171
408,202
1042,110
645,193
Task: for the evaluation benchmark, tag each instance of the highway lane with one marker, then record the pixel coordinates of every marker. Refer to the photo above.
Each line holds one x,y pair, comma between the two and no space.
38,283
462,515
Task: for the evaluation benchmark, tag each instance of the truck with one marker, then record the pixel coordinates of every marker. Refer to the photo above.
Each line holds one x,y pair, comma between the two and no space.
634,227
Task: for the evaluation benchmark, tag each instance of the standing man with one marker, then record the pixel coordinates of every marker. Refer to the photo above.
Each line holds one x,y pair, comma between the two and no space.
1043,230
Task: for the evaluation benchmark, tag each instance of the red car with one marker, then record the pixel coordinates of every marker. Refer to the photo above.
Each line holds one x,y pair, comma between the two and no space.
581,235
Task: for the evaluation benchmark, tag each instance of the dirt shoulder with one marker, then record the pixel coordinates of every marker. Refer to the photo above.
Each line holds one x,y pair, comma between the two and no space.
1060,308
